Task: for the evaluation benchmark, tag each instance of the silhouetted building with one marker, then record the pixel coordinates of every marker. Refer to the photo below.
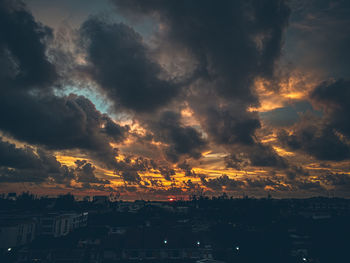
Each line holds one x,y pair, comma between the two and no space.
16,232
58,225
12,196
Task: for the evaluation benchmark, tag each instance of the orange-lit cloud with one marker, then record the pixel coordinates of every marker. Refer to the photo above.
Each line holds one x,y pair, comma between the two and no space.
285,90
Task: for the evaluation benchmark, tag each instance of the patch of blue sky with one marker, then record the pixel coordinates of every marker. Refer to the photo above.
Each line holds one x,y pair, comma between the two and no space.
288,115
101,103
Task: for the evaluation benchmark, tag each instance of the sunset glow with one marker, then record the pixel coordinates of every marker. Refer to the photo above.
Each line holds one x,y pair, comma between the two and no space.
94,101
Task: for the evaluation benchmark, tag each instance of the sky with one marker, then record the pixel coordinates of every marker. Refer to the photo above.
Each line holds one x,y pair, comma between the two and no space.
159,99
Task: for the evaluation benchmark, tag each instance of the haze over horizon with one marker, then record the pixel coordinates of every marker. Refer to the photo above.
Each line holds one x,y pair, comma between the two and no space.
158,99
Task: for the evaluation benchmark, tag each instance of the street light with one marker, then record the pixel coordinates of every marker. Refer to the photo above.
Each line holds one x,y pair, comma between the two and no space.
9,249
198,243
165,241
304,259
237,248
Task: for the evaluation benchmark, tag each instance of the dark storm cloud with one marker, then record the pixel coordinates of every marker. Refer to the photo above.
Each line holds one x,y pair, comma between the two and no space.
27,165
284,184
114,130
318,141
229,44
308,186
22,42
236,161
295,172
256,155
234,41
60,123
129,168
187,169
334,98
120,64
86,173
29,110
156,183
191,186
264,155
39,166
167,173
262,182
222,182
338,180
319,36
65,177
8,175
11,156
131,176
325,138
53,121
182,140
259,183
229,127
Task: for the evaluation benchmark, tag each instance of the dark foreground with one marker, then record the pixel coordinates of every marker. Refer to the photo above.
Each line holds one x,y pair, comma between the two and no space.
201,230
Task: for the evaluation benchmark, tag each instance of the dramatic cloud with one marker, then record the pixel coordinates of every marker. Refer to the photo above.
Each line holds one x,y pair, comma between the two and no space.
325,138
222,182
257,155
181,139
333,97
27,165
316,22
231,126
167,173
30,111
183,97
85,173
60,123
320,142
120,64
233,41
131,177
28,61
341,181
187,169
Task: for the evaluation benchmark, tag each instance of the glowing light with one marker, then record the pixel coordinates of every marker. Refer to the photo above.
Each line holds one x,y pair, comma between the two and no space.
206,153
68,160
295,95
293,87
187,112
282,151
